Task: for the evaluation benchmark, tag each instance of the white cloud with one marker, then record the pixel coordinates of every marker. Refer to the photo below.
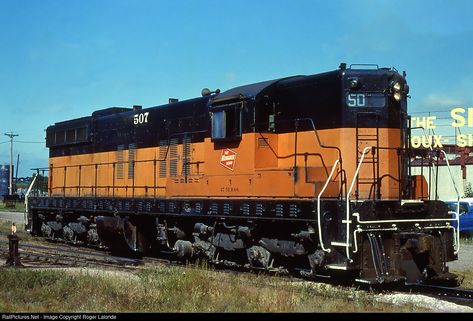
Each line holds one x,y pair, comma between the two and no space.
230,76
439,102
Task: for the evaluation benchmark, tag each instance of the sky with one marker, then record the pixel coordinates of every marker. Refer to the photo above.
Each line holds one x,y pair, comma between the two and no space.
64,59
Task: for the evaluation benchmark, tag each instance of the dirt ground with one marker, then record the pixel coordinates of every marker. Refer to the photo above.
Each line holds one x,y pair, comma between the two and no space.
465,258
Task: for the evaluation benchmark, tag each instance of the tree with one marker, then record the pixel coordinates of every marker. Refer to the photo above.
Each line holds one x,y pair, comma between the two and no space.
468,190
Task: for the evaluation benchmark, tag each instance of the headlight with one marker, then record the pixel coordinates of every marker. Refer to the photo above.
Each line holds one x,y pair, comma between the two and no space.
397,86
395,90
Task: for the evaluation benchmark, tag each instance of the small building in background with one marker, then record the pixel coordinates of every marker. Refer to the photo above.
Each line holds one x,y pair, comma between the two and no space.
461,169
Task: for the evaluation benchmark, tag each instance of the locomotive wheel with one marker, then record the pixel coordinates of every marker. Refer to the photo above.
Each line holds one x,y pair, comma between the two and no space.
183,249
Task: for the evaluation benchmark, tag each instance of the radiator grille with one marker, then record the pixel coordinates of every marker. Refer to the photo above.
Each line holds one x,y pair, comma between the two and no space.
173,157
120,160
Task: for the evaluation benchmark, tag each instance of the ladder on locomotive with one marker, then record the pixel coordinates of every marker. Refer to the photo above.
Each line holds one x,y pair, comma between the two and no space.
367,137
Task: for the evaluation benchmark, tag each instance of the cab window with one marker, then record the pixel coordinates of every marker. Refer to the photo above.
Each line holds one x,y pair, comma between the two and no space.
218,125
226,122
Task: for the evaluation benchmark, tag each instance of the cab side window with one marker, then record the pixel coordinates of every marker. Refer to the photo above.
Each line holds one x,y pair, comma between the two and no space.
218,125
226,121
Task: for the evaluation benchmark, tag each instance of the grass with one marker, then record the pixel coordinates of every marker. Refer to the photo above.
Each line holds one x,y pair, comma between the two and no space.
466,278
466,240
5,229
174,289
19,207
171,289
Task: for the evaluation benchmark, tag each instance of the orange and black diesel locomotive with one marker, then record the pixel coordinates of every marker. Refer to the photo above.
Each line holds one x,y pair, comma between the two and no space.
304,173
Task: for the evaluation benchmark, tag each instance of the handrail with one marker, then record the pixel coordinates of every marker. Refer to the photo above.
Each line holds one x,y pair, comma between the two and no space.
347,245
457,240
318,207
311,121
318,138
430,163
27,195
411,220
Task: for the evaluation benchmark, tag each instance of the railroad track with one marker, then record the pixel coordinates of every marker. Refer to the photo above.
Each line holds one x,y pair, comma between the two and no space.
45,256
441,291
455,295
66,255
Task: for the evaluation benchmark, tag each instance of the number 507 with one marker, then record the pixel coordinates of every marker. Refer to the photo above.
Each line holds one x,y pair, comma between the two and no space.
140,118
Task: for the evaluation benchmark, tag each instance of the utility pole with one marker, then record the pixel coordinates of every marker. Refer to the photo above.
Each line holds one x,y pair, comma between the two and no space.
11,135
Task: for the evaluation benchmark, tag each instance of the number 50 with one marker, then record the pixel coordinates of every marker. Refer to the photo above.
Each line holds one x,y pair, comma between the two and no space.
356,100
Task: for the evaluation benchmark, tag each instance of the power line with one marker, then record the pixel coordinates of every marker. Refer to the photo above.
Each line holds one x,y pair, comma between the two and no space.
11,135
27,142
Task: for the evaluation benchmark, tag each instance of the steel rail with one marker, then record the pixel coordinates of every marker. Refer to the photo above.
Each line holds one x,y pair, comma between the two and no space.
443,291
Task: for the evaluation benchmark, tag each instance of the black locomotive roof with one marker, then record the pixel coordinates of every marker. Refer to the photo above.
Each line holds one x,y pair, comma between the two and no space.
110,111
66,123
249,91
183,103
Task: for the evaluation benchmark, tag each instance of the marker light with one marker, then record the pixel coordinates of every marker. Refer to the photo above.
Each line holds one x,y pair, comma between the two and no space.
354,83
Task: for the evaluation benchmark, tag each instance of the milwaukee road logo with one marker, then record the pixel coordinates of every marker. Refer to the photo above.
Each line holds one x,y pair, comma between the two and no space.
228,159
